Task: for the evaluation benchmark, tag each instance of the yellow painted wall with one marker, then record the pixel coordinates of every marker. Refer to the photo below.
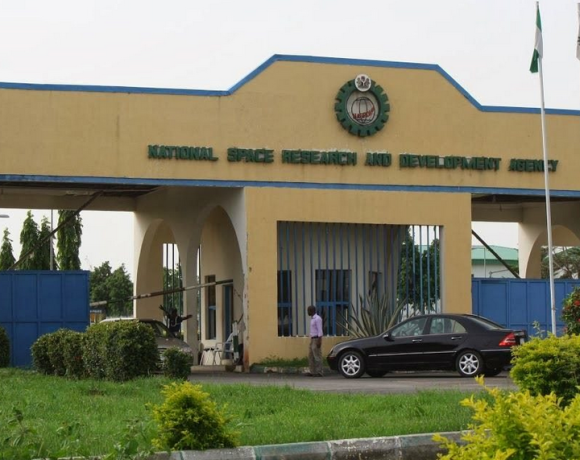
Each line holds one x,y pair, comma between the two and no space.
287,106
267,206
220,256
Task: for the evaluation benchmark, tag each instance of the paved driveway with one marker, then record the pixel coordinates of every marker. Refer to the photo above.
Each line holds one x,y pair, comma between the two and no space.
391,383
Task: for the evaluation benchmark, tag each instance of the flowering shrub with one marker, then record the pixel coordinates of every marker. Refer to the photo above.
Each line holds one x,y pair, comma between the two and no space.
571,312
517,426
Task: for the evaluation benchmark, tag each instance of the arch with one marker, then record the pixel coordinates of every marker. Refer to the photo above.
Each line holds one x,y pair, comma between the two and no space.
220,259
561,236
149,267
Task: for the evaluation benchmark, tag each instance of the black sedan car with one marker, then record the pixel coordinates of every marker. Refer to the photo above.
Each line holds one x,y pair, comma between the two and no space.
471,345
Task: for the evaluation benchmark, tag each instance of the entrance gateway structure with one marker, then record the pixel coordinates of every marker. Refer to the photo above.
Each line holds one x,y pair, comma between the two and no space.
300,184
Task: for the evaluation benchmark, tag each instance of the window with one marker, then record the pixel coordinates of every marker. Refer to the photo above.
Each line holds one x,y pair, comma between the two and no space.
446,326
410,328
333,300
284,303
210,308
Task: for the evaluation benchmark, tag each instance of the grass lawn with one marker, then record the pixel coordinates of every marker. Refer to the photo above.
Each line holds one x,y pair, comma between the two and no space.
89,417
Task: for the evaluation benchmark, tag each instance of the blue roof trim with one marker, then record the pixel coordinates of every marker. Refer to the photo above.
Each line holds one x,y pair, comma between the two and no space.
286,58
22,179
111,89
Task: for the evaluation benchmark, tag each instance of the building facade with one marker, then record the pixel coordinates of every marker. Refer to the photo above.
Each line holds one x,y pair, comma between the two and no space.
298,186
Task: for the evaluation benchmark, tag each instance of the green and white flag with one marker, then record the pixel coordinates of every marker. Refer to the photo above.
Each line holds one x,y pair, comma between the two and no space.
538,46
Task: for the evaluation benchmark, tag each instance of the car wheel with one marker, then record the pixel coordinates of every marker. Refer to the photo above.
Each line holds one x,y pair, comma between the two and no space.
351,365
469,363
492,372
376,374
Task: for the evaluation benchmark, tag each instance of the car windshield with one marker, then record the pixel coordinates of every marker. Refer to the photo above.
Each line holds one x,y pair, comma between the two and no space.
486,323
159,329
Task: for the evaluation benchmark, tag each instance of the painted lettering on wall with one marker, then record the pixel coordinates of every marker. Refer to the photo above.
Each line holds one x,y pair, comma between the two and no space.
316,157
378,159
347,158
520,165
250,155
168,152
410,160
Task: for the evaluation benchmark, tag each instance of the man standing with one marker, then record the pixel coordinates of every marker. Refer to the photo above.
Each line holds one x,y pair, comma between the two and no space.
175,321
315,350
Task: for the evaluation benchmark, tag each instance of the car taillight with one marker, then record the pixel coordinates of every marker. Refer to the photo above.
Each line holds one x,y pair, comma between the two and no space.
508,341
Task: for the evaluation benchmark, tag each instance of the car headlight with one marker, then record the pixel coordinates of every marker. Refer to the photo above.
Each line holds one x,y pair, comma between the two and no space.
332,353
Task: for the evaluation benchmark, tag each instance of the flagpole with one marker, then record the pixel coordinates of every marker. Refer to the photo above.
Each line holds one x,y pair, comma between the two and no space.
547,190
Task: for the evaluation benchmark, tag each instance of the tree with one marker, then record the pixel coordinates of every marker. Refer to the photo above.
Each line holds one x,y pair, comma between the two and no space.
120,287
42,254
114,287
69,240
29,237
98,283
566,261
420,274
173,279
6,256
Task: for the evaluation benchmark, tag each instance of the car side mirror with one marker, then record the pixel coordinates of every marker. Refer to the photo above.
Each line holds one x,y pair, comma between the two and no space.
388,337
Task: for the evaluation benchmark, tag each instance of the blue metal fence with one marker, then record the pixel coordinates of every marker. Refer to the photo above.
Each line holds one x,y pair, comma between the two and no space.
33,303
520,303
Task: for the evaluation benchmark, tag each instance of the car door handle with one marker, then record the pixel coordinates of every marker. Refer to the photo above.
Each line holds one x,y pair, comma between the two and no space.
416,340
456,337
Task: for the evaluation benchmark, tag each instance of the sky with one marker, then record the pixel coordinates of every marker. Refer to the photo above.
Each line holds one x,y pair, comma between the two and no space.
485,45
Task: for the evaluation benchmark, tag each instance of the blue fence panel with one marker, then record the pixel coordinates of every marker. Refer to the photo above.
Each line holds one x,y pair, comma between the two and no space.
33,303
520,303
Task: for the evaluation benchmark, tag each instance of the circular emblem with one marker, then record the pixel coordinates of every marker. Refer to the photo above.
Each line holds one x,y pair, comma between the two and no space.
362,107
362,82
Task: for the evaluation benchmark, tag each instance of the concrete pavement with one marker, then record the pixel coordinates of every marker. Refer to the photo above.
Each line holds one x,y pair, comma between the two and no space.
399,382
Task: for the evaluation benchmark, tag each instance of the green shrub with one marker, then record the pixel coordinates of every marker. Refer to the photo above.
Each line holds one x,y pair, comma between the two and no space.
4,348
548,365
275,361
40,356
130,351
119,351
94,347
176,363
73,355
518,426
189,420
571,312
56,347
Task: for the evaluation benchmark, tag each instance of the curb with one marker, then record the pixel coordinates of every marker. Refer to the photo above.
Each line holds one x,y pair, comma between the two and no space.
259,369
412,447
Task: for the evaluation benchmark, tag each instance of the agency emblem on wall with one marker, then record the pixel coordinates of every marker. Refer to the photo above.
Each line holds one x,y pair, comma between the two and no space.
362,107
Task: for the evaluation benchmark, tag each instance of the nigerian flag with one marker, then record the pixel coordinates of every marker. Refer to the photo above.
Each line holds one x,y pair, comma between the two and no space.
538,46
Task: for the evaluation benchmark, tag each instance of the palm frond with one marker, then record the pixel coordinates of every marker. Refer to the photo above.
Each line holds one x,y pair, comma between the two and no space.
375,315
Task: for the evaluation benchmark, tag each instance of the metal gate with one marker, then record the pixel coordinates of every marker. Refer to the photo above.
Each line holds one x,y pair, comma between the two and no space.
520,303
332,266
33,303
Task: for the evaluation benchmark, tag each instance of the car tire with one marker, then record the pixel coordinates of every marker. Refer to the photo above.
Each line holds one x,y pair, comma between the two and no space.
376,374
492,372
469,363
351,365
